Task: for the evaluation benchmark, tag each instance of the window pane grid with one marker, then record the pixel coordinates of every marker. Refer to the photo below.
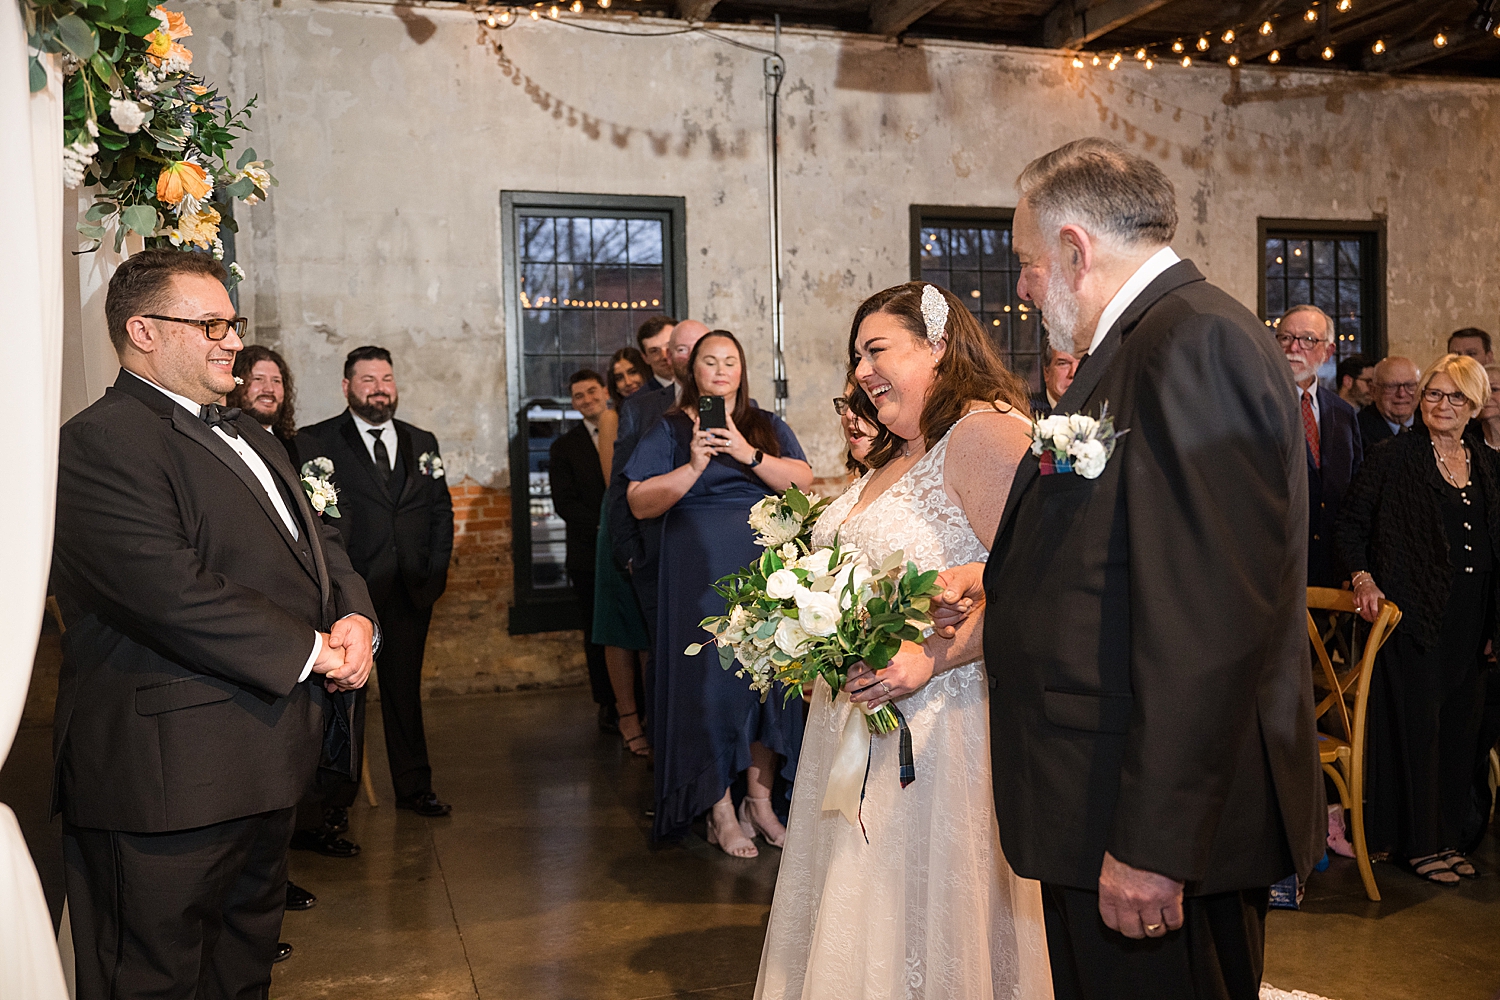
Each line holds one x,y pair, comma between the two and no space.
1326,270
975,261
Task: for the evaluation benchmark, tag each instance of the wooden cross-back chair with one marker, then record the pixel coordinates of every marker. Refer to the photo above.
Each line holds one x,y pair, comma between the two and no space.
1343,702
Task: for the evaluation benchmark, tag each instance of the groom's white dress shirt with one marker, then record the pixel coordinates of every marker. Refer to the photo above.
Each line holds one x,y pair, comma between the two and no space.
1131,290
257,467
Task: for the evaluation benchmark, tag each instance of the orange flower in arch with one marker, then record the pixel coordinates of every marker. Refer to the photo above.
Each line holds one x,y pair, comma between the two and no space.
163,41
182,179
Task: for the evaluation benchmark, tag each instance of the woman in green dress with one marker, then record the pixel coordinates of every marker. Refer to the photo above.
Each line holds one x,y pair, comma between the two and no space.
618,625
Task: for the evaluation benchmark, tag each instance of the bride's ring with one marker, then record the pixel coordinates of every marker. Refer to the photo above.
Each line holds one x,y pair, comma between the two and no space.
1152,928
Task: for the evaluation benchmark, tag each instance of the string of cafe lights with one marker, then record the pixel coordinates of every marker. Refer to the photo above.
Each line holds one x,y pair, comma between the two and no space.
1185,49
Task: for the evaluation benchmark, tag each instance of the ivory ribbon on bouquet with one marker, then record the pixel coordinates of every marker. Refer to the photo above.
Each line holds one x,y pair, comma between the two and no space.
846,779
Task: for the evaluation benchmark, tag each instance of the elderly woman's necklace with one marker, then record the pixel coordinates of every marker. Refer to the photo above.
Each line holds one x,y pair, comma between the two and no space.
1452,479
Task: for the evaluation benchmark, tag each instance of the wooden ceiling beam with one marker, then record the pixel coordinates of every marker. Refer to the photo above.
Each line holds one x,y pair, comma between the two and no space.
891,17
1253,46
695,10
1418,51
1071,24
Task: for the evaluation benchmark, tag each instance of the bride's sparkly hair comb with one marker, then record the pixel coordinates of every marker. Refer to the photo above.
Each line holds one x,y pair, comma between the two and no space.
934,313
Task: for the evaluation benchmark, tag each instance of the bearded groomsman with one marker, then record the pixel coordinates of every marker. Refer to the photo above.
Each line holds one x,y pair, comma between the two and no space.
396,517
201,594
264,390
1155,763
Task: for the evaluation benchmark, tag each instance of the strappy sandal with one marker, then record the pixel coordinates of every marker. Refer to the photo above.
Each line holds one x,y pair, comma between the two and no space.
729,838
1432,868
1460,865
751,827
637,744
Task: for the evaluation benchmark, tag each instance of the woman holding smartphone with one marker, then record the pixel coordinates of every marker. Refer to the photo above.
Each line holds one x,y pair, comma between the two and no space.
701,469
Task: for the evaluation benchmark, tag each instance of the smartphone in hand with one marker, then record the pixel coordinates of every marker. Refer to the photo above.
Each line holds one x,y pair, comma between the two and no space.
711,413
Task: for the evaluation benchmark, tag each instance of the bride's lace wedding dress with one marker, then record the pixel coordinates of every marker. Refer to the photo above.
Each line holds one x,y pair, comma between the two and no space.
928,909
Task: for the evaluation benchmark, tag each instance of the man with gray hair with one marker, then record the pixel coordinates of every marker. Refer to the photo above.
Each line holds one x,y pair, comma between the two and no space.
1152,731
1331,428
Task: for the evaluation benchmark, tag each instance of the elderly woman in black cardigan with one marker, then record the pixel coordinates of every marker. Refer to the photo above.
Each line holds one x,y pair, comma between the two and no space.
1421,524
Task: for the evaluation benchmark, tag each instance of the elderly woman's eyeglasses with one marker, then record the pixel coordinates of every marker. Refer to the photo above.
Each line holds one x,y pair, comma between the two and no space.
841,405
1457,399
213,329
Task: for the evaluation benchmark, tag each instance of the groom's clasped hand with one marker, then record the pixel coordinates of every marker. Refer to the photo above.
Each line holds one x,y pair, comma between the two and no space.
347,655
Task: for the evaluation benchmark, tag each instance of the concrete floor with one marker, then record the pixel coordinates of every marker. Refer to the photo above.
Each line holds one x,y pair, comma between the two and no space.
542,885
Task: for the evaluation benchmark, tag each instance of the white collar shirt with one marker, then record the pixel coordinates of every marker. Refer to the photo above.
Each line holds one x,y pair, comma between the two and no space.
1130,291
1311,392
663,382
593,428
387,435
258,469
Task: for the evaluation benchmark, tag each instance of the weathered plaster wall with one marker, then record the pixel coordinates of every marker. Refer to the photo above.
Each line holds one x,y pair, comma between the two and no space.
394,128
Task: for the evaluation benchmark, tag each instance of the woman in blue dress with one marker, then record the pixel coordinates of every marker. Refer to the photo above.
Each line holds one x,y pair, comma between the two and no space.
707,725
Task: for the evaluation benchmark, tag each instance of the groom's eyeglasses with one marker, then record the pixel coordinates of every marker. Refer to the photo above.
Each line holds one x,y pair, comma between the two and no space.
213,329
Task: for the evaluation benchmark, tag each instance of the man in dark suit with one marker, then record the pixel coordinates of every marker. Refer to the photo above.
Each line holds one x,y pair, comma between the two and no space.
1331,429
1394,410
1152,730
396,517
200,594
637,544
1057,374
577,484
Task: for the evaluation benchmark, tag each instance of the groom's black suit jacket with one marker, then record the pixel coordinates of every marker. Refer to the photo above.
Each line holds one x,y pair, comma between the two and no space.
1146,630
190,612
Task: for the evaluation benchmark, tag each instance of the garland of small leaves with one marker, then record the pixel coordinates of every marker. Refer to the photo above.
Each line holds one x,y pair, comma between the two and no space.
153,138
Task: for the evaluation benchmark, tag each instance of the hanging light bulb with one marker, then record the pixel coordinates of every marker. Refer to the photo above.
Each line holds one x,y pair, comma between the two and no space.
1275,56
1097,60
1150,63
604,4
553,12
1311,15
536,15
1187,61
1265,28
1140,54
1077,63
1115,61
1378,47
504,17
490,22
1177,46
577,7
1228,37
1234,60
1344,6
1440,40
1327,52
1203,45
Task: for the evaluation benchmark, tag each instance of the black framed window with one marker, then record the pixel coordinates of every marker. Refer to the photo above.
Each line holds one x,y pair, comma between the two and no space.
968,251
1338,267
581,273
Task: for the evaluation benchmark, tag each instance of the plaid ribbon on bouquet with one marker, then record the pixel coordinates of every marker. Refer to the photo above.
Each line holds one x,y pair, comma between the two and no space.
908,766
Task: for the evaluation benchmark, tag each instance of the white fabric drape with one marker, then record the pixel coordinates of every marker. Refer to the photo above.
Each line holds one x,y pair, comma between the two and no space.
31,357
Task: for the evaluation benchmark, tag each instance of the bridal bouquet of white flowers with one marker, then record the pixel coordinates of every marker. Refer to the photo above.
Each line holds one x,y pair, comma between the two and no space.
798,613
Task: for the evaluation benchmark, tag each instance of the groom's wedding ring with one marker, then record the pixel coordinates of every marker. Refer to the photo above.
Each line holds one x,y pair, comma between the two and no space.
1152,928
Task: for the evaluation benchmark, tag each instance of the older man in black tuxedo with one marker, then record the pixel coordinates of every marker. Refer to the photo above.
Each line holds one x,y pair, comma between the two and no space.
577,484
200,594
396,517
1153,742
1331,429
1394,410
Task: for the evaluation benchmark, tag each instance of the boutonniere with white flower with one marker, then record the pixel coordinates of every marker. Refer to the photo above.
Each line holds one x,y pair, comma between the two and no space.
430,463
1075,443
317,483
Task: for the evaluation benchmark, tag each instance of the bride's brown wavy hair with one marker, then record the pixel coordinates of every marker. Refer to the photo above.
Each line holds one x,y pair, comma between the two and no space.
970,370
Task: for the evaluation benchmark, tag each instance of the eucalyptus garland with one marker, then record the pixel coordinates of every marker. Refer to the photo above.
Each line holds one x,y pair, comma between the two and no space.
154,139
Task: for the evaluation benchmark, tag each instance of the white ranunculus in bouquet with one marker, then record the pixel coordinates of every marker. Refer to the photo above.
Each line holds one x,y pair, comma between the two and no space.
799,613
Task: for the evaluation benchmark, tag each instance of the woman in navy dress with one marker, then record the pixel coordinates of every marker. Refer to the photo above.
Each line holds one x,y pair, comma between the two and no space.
707,725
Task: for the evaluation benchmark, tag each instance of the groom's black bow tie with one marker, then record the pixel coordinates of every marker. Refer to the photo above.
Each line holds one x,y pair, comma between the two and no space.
222,417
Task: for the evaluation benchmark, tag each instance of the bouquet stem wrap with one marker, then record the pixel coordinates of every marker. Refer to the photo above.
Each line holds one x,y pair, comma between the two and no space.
851,763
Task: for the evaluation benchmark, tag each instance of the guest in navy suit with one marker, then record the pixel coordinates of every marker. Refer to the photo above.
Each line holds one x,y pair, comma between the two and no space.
1331,428
1394,410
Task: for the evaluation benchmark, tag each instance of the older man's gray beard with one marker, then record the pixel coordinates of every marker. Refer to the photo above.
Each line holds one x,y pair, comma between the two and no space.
1059,313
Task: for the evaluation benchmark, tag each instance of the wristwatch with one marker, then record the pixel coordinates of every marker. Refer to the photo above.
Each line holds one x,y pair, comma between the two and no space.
756,460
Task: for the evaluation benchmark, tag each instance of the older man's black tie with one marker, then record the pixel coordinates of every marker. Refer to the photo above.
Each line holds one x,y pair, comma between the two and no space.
382,457
222,417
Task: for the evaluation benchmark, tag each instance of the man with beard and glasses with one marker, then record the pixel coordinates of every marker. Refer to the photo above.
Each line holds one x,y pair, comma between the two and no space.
397,520
1151,724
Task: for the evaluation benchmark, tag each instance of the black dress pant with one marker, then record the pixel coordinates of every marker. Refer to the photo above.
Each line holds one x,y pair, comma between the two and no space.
593,653
1217,954
403,628
191,915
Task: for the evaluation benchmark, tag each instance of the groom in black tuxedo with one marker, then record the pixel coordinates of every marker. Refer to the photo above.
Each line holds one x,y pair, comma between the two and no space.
396,516
200,594
1145,629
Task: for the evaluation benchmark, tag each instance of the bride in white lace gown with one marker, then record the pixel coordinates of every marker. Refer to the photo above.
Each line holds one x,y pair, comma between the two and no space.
920,904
